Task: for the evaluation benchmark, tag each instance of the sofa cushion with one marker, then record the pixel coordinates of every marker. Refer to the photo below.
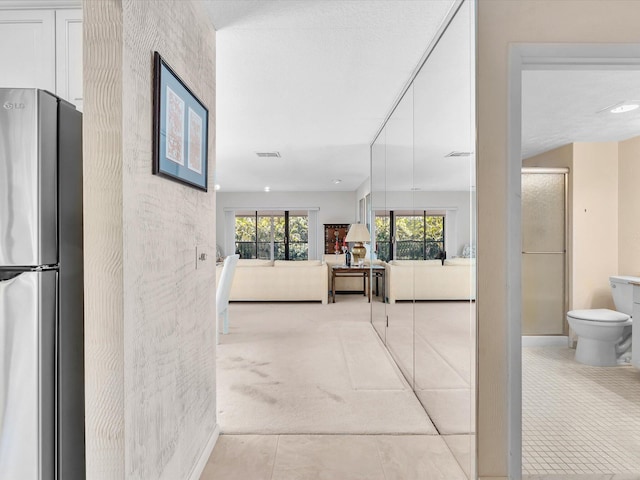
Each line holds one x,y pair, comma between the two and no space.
460,261
297,263
416,263
254,262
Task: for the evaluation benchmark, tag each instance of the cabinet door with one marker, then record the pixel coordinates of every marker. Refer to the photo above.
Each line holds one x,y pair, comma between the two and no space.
69,56
27,49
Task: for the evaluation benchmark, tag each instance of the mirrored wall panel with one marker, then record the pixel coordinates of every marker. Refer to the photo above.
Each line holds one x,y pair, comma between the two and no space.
423,231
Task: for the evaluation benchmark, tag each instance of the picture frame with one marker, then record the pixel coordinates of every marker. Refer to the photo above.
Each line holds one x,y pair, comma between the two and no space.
180,128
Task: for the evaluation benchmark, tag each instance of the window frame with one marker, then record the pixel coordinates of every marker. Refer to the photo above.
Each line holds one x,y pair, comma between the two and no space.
392,242
256,215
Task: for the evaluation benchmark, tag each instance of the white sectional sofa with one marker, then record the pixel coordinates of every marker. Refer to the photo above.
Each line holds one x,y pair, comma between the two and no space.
431,280
266,280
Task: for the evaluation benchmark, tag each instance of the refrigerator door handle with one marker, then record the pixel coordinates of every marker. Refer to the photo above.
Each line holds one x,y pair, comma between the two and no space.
27,375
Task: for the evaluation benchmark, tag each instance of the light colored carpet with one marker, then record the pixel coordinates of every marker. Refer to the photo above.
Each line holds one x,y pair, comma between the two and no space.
311,368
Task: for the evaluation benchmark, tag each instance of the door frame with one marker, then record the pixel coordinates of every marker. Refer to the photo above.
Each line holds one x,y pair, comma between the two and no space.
537,56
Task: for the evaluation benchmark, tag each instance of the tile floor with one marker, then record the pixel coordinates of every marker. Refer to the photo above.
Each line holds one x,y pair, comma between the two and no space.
433,344
327,415
578,419
579,422
332,457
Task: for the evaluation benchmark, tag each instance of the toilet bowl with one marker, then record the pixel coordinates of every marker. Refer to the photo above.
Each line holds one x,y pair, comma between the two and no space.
603,335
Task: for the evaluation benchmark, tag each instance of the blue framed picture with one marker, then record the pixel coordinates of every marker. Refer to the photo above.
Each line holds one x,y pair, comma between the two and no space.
180,128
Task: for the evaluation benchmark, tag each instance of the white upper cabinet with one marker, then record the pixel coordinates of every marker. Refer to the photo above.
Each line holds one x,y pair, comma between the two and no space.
69,56
27,49
42,48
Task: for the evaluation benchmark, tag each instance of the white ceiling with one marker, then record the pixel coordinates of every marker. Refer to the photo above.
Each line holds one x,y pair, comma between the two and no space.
313,80
561,107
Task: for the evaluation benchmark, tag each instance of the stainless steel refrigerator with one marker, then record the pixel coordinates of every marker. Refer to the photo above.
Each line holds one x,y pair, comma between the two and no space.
41,288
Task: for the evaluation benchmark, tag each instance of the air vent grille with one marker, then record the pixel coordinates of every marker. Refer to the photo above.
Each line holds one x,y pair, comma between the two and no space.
458,154
268,154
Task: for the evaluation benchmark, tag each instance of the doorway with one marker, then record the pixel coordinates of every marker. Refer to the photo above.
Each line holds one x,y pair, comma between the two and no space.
582,386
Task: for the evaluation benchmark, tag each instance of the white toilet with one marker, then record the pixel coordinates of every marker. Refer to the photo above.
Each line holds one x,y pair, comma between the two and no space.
604,336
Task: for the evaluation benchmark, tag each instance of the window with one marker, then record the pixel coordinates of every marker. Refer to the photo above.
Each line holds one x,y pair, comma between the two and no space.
281,235
409,235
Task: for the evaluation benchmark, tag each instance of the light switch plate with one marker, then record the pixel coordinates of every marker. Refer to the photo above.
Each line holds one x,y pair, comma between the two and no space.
202,256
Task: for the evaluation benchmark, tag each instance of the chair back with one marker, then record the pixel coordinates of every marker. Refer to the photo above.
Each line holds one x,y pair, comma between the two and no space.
224,286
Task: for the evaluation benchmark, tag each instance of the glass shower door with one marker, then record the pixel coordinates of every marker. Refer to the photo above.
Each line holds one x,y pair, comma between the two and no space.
543,251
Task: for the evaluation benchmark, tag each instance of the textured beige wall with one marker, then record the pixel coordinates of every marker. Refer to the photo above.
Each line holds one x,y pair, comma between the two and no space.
629,207
150,313
500,23
103,231
595,223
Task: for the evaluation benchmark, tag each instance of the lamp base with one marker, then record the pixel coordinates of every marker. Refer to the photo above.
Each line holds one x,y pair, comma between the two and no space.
358,251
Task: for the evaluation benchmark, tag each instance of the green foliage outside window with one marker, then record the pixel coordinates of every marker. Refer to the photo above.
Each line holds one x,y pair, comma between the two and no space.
417,236
255,236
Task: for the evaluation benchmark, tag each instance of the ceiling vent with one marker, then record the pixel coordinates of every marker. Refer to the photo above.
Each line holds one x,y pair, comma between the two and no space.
268,154
458,154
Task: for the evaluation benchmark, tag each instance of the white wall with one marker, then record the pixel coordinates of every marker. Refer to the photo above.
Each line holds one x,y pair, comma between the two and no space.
334,207
361,192
149,314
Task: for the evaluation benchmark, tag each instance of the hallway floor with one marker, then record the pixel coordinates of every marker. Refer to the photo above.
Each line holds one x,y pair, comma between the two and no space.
308,391
335,457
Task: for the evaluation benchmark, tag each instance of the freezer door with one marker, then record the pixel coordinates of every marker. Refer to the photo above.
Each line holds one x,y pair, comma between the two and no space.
28,178
27,375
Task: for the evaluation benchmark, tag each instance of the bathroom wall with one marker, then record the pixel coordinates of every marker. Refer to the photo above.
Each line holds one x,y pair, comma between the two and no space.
629,203
149,318
595,223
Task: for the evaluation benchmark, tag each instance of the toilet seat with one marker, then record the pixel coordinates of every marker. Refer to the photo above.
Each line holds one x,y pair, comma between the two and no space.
600,315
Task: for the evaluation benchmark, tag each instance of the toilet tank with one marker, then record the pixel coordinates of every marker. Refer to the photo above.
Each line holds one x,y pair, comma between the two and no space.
622,291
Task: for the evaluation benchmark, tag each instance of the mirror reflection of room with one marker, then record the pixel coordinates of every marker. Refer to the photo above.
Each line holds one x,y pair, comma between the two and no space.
423,209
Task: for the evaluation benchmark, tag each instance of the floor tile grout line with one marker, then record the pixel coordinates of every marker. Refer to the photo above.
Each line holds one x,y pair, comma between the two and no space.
468,382
455,457
275,457
384,474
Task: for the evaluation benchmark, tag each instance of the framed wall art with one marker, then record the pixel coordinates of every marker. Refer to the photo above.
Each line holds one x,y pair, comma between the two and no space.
180,128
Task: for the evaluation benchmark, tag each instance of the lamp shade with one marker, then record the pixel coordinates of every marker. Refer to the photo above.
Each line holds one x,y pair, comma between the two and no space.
358,233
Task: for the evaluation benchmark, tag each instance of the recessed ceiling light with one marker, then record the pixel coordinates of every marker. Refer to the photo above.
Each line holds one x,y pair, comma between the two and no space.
217,186
627,107
336,181
415,189
267,189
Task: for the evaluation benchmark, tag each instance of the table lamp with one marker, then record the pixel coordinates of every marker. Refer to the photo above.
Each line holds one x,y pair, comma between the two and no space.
358,233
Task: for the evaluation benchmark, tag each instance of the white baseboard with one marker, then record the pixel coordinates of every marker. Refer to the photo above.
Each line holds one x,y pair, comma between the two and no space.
545,341
196,473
